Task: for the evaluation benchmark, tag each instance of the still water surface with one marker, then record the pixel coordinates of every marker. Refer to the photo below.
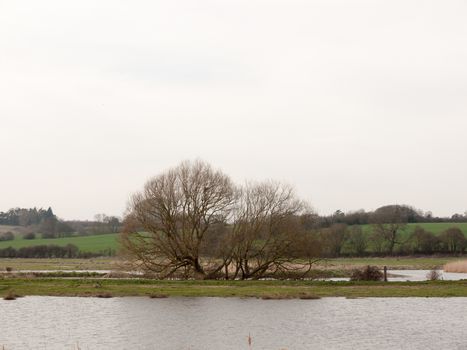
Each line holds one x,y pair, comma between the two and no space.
217,323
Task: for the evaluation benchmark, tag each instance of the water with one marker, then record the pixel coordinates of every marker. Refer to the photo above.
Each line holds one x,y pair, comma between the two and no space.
394,275
217,323
421,275
412,276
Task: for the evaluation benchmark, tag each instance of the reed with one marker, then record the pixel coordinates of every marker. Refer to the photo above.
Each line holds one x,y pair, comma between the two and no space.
10,296
456,266
276,296
309,297
104,295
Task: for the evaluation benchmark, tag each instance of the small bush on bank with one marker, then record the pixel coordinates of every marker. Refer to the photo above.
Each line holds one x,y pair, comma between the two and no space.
11,296
7,236
30,235
433,275
368,273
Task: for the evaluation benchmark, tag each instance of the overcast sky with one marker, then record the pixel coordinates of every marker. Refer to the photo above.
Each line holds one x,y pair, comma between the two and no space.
356,103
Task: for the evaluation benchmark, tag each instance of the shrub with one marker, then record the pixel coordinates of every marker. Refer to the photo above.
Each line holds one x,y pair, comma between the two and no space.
422,242
368,273
30,235
433,275
7,236
48,235
453,240
11,296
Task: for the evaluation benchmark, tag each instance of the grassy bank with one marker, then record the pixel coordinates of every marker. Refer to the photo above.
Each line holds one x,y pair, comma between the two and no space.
257,289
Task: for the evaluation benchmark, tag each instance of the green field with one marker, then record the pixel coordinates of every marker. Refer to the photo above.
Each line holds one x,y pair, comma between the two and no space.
99,243
92,244
436,228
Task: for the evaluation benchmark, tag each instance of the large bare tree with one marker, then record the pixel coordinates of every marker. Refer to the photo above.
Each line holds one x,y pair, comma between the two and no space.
192,222
169,221
267,235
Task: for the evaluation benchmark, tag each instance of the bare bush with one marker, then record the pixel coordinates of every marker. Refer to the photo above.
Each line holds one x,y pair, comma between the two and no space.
433,275
368,273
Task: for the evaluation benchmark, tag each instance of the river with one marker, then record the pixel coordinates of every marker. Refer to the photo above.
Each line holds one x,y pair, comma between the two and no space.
225,323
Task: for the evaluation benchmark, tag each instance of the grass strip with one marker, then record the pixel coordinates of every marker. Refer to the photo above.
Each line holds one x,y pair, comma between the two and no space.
257,289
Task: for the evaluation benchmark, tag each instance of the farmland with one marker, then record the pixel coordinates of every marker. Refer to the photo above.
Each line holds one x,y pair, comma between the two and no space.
91,244
104,242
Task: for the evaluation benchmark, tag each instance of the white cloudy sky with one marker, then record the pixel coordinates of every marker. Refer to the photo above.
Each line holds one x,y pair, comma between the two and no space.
356,103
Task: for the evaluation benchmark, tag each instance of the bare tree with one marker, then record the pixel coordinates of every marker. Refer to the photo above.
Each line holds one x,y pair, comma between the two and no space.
357,240
168,223
334,238
388,223
267,236
453,240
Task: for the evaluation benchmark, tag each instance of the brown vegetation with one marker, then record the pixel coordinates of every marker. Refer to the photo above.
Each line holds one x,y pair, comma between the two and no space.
11,296
368,273
434,275
456,266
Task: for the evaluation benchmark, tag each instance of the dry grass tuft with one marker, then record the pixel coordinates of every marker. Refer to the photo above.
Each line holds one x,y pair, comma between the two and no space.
104,295
309,297
11,296
158,296
456,266
275,297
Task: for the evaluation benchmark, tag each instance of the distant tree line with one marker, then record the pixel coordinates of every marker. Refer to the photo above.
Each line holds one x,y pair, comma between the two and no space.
42,221
343,240
362,217
45,223
102,224
26,217
386,233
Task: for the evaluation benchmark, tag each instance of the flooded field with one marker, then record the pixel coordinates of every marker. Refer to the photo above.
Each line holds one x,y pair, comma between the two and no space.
217,323
421,275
